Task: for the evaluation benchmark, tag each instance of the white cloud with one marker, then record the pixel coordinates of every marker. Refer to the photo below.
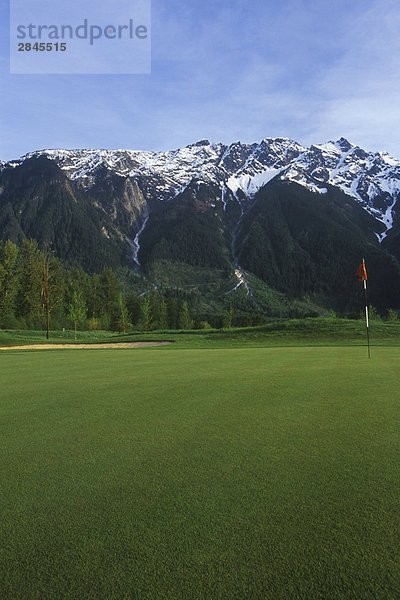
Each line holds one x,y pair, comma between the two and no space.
361,91
311,70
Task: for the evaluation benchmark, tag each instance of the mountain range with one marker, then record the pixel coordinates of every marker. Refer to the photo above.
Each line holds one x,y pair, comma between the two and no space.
222,219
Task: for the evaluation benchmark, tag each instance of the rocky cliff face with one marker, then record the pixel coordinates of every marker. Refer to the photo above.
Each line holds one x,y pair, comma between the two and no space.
214,206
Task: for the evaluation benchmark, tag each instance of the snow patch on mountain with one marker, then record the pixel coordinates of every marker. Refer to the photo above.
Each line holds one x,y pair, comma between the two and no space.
373,179
250,184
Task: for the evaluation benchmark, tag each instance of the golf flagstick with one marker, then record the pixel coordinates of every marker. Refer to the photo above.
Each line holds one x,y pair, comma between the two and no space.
367,316
363,277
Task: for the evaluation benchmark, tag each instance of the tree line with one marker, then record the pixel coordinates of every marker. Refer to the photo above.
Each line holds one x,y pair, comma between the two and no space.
37,291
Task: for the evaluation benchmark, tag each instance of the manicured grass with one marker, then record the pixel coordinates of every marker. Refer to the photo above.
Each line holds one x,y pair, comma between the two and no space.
295,332
12,337
216,473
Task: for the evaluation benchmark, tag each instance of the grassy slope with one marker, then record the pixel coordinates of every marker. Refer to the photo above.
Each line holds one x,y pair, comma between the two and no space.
317,331
231,473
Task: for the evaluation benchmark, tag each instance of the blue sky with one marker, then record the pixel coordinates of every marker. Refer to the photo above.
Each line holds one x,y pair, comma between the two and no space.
310,70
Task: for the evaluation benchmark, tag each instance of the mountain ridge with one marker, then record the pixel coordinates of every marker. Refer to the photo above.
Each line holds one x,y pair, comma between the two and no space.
372,178
212,206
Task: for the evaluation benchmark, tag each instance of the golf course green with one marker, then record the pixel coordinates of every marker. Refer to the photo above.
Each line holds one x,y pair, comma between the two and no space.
226,472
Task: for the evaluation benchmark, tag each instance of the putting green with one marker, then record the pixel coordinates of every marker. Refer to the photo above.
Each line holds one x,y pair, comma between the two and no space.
219,473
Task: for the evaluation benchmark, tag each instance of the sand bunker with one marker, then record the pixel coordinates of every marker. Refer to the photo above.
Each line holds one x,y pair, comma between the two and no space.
86,346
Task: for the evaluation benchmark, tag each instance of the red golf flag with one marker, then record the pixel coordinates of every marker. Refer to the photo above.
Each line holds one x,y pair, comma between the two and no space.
362,272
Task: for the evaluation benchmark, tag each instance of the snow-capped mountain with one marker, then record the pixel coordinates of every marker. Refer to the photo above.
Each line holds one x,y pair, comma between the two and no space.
373,179
296,218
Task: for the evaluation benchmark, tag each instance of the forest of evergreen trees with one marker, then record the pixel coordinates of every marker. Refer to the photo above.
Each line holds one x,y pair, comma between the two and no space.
35,287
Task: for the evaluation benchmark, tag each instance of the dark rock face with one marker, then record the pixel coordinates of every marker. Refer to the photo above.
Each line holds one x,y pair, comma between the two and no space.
286,213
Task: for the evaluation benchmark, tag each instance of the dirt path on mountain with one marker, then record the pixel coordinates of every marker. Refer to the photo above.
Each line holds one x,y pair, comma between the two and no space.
123,345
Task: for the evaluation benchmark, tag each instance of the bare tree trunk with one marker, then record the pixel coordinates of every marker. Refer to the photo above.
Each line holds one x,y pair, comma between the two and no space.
47,323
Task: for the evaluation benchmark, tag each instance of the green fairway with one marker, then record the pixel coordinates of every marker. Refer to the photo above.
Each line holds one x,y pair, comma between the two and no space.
323,331
268,473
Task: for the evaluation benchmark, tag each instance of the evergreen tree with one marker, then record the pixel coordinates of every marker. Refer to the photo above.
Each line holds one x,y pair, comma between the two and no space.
145,314
94,296
133,304
172,307
110,289
29,299
162,322
227,320
185,320
121,318
159,312
8,281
